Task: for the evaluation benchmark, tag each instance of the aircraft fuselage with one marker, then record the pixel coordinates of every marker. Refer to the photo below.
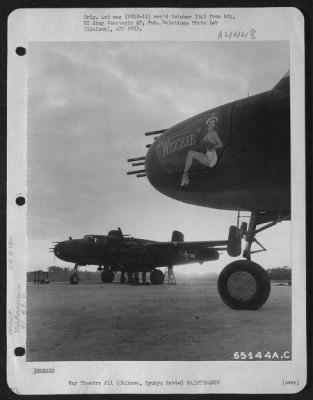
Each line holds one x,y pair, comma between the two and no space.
127,255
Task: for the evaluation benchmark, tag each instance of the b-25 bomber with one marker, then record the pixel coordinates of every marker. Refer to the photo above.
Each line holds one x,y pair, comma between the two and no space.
117,252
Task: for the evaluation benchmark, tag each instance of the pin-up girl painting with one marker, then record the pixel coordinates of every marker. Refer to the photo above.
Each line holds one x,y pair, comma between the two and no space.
207,156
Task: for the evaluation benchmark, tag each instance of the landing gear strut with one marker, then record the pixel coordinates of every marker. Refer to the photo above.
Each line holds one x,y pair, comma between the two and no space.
243,284
122,278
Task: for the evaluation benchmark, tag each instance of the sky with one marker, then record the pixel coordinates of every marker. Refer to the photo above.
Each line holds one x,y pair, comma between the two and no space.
89,104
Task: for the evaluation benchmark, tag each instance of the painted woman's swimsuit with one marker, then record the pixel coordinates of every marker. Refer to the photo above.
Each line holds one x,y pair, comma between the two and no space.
212,157
211,154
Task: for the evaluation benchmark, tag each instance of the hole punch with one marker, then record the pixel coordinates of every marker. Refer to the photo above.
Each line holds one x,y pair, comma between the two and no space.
20,201
19,351
20,51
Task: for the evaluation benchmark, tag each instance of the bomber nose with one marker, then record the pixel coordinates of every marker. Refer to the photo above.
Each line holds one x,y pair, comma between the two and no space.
66,250
162,172
59,249
152,165
71,250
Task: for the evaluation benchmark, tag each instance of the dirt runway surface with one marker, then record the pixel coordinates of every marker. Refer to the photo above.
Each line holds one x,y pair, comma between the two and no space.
188,322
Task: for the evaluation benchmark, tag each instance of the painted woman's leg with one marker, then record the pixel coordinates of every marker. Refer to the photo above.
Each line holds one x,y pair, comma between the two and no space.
188,163
193,155
202,158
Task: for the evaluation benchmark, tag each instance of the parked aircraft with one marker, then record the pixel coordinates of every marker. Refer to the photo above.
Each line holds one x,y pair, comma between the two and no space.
233,157
118,252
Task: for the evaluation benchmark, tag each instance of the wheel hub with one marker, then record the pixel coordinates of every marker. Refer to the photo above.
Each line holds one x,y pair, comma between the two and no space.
241,285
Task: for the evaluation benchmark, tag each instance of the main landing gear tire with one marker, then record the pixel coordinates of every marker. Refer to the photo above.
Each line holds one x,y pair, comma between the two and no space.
244,285
74,279
156,277
107,276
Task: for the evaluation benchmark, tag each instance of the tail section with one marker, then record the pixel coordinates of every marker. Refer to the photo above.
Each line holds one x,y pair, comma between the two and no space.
284,84
177,236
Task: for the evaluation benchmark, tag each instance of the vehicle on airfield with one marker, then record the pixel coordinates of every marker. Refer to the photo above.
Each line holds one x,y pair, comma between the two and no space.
232,157
117,252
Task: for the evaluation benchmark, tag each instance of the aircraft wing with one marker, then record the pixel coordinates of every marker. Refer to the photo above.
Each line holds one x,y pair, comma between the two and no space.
174,247
232,246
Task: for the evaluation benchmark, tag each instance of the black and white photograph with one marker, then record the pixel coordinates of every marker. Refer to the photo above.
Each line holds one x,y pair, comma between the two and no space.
160,216
89,107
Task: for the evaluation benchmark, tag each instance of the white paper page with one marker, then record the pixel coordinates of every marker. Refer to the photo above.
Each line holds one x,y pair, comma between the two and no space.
91,83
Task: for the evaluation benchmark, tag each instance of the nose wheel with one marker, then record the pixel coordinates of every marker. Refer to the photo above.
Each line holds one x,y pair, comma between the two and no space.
74,278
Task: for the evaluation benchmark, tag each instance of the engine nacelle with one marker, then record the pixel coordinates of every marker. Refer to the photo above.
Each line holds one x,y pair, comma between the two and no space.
208,254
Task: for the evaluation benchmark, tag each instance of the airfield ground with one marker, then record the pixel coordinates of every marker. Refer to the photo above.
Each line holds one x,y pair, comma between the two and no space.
188,321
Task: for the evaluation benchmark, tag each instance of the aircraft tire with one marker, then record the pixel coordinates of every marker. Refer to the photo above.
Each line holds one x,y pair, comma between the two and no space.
244,285
74,279
107,276
156,277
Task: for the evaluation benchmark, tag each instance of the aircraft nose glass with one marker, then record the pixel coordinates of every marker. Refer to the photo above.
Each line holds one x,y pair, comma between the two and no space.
70,249
62,249
57,251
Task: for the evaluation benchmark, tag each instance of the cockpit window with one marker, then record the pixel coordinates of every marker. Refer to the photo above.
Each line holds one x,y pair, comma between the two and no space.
101,239
91,238
96,239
